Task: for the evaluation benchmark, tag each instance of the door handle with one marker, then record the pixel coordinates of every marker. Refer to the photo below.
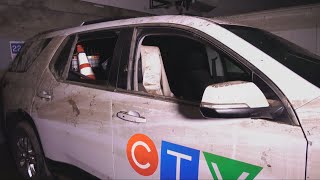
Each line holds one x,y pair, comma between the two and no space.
132,116
44,95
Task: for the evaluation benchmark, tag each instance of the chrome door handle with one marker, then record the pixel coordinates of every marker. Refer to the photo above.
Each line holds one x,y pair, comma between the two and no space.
44,95
131,116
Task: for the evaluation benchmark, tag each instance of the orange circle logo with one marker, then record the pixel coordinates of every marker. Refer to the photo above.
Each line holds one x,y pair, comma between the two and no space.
142,154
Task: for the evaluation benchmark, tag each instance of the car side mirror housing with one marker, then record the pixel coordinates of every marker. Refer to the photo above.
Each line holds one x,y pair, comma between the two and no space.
235,99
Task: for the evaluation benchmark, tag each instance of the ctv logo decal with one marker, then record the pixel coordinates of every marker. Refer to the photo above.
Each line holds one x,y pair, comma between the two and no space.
142,154
180,162
225,168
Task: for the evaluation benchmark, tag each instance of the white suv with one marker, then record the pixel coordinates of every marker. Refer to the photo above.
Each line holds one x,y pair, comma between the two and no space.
169,97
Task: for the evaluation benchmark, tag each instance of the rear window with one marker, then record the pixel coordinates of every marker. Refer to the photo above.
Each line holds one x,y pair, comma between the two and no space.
29,52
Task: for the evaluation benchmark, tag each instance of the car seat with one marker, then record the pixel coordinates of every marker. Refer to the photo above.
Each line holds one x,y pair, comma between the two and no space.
151,62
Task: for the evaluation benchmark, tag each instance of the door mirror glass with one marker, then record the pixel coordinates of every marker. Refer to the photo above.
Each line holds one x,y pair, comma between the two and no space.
235,99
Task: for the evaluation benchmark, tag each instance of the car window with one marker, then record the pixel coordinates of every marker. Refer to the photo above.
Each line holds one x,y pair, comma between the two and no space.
59,63
186,67
176,65
94,58
28,54
233,71
91,59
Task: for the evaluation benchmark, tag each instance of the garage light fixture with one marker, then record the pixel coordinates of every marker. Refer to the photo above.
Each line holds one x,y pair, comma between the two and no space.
182,5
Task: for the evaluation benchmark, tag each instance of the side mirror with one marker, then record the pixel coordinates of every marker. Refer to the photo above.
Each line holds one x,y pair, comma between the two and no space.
236,99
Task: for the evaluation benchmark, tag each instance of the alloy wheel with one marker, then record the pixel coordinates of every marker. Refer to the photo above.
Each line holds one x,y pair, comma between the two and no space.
26,156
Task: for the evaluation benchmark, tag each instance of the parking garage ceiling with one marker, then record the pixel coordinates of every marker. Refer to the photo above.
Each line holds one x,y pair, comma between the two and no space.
23,18
210,8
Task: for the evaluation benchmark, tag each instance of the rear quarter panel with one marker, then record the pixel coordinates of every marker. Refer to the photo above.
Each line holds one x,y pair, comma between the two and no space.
20,87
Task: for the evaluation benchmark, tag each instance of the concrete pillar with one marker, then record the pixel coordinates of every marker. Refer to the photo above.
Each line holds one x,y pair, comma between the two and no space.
299,25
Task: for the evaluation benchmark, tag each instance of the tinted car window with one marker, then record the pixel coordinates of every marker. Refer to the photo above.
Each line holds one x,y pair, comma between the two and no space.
29,52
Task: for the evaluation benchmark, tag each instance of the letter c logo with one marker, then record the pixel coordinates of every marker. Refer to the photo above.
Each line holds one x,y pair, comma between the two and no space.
142,154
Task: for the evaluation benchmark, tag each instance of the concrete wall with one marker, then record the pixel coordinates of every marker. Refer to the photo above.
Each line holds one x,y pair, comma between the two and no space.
21,19
300,25
5,54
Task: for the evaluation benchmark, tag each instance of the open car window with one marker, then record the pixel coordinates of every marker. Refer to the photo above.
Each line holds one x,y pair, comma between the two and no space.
179,66
92,57
182,67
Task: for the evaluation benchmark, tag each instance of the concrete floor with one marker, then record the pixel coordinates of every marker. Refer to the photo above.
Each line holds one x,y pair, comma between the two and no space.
8,169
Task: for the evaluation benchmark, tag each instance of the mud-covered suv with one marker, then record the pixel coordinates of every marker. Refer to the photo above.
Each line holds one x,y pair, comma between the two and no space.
164,97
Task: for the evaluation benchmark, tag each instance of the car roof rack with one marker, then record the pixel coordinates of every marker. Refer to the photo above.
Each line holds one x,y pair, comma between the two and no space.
52,30
105,20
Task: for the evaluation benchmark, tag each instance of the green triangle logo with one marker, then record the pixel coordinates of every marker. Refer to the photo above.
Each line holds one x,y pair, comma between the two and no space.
223,168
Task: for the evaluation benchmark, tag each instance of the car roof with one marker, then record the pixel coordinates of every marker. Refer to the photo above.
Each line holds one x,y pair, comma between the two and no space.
151,20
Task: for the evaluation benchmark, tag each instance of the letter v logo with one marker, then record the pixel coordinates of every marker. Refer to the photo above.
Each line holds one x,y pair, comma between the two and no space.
225,168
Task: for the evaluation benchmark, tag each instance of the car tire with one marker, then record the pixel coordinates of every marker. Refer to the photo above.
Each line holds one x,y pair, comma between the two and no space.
27,152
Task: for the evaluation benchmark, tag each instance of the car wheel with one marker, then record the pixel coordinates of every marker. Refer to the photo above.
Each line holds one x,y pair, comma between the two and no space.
27,152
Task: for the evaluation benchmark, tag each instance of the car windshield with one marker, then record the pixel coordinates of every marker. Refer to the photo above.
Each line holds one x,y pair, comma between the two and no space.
299,60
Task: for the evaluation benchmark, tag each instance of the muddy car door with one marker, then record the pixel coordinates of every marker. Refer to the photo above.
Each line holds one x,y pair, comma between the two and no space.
73,106
159,131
